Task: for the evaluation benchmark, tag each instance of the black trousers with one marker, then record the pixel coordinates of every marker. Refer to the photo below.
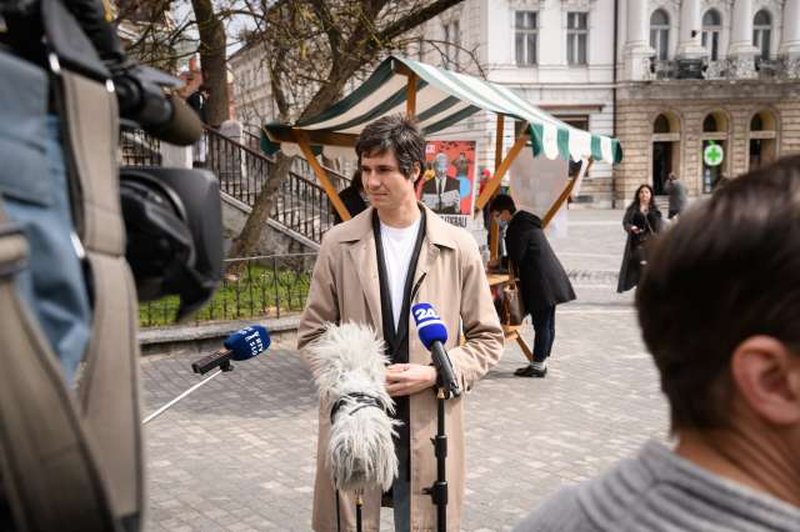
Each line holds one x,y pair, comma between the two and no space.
544,329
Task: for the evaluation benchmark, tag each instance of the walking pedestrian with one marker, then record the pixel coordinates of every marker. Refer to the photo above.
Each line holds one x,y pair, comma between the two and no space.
642,221
677,195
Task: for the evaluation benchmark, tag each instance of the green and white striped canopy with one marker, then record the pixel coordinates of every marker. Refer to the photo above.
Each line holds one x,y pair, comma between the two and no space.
443,98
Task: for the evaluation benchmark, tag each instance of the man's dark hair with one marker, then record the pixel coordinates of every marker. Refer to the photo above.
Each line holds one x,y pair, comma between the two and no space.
502,202
728,270
398,134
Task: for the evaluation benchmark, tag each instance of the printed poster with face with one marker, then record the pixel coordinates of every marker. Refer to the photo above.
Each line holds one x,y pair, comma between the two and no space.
447,185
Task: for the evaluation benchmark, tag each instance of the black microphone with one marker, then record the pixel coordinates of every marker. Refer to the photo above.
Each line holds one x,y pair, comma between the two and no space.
433,335
244,344
142,100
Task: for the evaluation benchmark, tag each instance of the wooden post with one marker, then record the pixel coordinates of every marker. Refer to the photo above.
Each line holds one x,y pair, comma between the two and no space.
493,183
566,193
411,95
494,230
322,175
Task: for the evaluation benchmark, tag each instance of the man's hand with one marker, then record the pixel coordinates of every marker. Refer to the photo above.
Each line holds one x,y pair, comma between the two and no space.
408,379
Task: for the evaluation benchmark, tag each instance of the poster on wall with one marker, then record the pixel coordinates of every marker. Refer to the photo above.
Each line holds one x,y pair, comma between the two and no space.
447,186
536,183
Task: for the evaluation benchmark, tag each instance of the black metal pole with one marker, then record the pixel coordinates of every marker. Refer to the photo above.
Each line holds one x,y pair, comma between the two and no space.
359,505
438,491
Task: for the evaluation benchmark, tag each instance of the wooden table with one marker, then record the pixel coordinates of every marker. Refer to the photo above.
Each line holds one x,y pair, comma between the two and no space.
511,331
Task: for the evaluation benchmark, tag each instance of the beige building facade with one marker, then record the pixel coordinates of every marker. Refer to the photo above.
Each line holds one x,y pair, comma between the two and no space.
709,90
666,127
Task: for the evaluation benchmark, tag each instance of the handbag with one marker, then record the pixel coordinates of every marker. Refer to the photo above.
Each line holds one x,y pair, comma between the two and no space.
512,310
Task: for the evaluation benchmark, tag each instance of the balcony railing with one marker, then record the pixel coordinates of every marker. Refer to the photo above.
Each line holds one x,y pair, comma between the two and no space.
726,68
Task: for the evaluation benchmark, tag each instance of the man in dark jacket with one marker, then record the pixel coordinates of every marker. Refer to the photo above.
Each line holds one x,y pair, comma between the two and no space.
543,282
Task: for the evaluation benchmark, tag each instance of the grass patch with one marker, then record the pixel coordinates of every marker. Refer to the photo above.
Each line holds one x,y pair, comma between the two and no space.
262,291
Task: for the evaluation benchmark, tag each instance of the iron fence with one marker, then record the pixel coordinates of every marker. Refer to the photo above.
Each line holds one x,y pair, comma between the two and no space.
139,149
269,286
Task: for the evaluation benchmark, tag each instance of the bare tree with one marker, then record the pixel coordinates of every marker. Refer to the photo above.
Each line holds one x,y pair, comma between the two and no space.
320,45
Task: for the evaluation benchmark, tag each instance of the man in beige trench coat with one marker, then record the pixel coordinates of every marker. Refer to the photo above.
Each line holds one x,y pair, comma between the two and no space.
347,287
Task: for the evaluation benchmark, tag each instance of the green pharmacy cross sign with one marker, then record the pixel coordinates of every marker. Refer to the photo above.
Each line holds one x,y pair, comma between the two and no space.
713,155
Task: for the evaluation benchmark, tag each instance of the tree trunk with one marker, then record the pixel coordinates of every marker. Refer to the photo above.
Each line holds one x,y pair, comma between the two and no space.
212,60
248,239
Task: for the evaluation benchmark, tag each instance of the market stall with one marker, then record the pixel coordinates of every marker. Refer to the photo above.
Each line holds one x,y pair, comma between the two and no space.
438,99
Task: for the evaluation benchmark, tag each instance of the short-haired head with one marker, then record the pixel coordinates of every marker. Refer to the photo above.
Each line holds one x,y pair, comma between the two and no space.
398,134
728,271
502,202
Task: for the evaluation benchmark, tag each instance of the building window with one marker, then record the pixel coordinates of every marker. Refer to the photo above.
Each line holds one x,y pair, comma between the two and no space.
525,33
661,125
712,27
710,124
452,40
577,33
762,31
659,33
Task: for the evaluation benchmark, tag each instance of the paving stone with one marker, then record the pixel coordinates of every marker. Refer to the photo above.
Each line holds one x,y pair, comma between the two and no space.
239,453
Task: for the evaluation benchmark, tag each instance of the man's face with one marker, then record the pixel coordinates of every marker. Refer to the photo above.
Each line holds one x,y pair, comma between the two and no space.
384,184
441,164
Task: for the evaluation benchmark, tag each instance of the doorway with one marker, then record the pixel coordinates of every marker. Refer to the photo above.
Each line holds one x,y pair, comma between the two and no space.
662,165
713,173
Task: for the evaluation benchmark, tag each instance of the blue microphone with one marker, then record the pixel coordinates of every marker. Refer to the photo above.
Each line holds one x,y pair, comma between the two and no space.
433,335
244,344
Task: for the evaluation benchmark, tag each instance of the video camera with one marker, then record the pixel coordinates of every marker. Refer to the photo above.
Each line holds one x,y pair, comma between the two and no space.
173,218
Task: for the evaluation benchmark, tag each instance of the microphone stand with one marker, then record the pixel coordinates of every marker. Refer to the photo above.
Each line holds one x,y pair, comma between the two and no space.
224,367
438,490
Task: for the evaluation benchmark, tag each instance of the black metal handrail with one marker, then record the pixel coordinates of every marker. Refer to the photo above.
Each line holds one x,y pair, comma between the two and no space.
301,166
139,149
300,204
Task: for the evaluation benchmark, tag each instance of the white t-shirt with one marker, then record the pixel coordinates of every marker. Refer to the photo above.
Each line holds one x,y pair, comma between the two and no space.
398,246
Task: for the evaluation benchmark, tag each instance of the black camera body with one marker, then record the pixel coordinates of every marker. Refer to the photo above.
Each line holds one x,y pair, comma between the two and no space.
173,222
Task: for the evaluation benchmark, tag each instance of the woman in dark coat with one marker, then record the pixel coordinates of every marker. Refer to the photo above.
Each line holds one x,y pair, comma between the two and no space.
642,220
353,197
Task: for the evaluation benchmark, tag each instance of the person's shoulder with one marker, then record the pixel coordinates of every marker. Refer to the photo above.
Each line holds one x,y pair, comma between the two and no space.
448,234
349,231
589,506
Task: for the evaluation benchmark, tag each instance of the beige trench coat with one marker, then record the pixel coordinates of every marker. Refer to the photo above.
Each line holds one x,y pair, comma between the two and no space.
345,288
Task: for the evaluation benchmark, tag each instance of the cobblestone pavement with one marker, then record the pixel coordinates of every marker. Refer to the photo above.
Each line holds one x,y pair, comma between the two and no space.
238,454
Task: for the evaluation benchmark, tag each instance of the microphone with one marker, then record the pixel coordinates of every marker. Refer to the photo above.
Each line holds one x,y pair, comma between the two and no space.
433,335
349,366
244,344
142,100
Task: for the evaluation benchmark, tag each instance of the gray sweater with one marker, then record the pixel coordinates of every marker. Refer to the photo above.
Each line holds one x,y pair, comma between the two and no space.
660,491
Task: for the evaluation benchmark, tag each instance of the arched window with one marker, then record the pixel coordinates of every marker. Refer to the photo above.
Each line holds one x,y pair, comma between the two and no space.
710,123
661,125
762,32
659,33
712,27
763,138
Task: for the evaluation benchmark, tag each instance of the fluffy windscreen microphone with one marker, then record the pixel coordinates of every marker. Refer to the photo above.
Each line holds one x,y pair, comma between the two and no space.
349,367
